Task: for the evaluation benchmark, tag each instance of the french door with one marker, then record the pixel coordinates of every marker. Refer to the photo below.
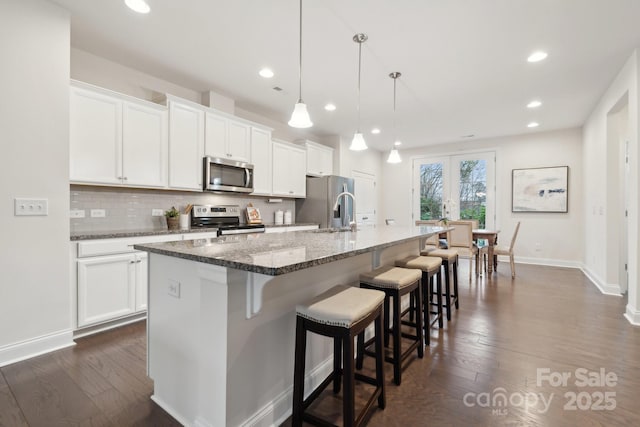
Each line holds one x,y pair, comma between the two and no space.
455,187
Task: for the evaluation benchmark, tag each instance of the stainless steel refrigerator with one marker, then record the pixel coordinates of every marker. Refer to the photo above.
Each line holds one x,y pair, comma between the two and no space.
322,193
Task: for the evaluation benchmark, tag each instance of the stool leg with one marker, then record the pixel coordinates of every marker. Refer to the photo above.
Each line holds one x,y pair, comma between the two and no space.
337,369
447,295
379,328
426,308
439,301
298,373
360,350
419,319
348,396
447,284
386,326
396,338
455,281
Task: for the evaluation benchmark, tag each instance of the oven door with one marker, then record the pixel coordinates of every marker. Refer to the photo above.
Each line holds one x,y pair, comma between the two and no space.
227,175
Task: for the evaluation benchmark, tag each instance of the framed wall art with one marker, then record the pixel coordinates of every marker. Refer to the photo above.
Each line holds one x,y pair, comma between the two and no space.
540,189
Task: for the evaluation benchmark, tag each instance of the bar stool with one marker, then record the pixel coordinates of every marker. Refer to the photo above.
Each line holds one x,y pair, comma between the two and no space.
430,267
450,266
395,282
342,312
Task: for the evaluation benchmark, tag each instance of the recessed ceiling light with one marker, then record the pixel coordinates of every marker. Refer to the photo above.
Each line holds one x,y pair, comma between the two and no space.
266,73
139,6
375,131
397,143
330,107
533,125
537,56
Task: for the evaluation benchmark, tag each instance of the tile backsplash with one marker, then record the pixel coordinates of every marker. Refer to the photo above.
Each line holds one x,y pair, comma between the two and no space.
130,208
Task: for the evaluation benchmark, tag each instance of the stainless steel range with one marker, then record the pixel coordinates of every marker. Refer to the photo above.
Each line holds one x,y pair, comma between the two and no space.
224,218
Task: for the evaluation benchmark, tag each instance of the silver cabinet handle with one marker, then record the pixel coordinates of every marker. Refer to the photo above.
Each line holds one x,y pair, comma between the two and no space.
125,178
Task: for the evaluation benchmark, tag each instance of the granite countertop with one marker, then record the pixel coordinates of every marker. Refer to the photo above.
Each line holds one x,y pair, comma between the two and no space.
280,253
113,234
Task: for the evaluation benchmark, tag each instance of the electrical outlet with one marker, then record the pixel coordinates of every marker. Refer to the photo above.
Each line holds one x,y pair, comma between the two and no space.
31,207
174,288
98,213
538,247
157,212
76,213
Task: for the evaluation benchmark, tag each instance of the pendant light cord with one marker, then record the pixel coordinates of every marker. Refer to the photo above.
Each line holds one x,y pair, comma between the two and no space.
300,56
395,131
359,70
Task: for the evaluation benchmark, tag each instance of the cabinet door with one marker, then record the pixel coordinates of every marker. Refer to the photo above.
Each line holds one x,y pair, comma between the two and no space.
261,160
106,288
319,160
144,145
215,140
186,146
239,141
95,137
289,170
281,174
142,281
298,172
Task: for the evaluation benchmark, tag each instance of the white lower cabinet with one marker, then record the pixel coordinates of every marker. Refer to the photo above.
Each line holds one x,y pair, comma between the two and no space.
107,287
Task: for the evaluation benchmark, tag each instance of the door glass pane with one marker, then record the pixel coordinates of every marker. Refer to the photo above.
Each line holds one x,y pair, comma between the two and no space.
473,190
431,191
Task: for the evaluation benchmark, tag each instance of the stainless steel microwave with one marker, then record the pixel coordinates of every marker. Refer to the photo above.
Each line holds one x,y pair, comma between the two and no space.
227,175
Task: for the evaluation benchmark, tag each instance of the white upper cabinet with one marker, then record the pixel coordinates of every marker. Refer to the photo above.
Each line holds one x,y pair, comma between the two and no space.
261,160
186,145
289,170
319,159
227,138
95,137
145,145
116,140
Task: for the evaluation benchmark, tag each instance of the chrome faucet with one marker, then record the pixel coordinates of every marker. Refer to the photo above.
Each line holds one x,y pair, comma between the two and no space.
352,224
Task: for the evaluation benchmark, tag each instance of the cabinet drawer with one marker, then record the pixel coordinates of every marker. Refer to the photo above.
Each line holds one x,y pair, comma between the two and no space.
120,245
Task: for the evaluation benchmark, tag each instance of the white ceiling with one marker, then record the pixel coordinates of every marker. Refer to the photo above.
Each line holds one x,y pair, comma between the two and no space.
463,62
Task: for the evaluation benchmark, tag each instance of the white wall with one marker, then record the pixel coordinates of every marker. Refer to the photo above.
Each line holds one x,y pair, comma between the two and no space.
560,235
601,172
35,310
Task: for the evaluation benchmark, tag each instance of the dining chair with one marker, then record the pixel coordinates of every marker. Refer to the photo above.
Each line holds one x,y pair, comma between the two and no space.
461,240
506,250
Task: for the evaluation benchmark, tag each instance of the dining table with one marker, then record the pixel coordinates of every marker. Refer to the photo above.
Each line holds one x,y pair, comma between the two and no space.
491,237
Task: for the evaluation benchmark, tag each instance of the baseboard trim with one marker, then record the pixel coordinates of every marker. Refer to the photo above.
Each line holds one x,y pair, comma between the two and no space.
94,329
542,261
35,347
632,316
277,411
605,288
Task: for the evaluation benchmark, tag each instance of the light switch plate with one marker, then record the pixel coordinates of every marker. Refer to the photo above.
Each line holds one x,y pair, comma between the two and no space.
31,207
174,288
157,212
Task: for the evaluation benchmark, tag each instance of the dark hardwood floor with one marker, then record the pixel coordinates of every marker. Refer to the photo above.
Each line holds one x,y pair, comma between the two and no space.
503,333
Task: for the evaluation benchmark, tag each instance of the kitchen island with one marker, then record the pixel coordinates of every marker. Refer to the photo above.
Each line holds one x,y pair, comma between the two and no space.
221,316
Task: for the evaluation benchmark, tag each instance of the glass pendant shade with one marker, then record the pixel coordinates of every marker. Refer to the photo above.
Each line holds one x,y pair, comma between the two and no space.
394,156
300,116
357,143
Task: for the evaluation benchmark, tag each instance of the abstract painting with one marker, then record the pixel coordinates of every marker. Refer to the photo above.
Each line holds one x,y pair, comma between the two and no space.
540,189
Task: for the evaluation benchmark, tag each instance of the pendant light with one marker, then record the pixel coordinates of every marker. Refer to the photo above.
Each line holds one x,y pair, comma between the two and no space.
300,116
358,143
394,155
